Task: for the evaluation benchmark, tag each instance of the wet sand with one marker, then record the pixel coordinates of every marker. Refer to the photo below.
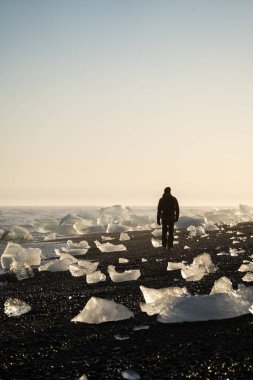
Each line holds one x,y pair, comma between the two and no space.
44,344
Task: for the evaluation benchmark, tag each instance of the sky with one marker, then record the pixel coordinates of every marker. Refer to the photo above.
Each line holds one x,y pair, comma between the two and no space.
109,101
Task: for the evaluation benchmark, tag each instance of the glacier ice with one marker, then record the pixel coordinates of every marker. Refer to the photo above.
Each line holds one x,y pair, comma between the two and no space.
151,295
174,266
108,247
122,260
14,307
200,266
210,227
55,266
99,310
157,233
124,236
17,233
51,236
114,227
223,302
248,277
83,267
246,267
127,275
14,251
21,270
107,238
156,243
82,244
97,276
130,374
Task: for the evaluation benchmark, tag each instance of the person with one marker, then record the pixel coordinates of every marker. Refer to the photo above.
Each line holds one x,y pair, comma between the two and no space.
168,211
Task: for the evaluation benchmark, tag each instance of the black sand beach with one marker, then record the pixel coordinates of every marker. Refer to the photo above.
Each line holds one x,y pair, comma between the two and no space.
44,344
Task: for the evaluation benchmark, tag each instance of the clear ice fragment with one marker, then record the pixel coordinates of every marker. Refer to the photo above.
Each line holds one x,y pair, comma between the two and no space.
14,307
127,275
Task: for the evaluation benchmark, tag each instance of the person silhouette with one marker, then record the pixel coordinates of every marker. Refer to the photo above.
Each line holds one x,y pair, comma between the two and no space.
168,211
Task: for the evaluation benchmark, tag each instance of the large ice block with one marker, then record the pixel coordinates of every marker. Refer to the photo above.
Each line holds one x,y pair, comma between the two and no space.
98,310
127,275
14,251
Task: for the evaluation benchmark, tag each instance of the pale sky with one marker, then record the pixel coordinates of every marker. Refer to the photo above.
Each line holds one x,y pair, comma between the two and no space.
109,101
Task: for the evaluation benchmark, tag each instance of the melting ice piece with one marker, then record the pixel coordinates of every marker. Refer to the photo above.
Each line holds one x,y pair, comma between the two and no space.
82,244
141,327
68,259
122,260
55,266
121,337
14,251
108,247
246,267
144,260
127,275
98,310
88,265
14,307
151,295
248,277
51,236
116,228
223,302
76,251
186,247
157,232
107,238
97,276
174,266
210,227
130,374
200,266
124,236
233,252
236,242
18,233
21,270
76,271
156,243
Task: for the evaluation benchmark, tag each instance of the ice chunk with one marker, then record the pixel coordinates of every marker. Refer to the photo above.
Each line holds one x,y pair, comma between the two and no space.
128,275
157,233
174,266
122,260
51,236
98,310
141,327
151,295
186,247
246,267
222,285
210,227
186,221
200,266
77,251
236,242
121,337
68,259
130,374
21,270
82,268
55,266
14,251
74,225
124,236
111,228
144,260
95,277
223,302
17,233
45,225
233,252
14,307
107,238
2,233
156,243
248,277
200,231
108,247
82,244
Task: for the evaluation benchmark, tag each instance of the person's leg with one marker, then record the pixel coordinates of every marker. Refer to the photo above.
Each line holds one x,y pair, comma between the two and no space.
171,234
164,233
